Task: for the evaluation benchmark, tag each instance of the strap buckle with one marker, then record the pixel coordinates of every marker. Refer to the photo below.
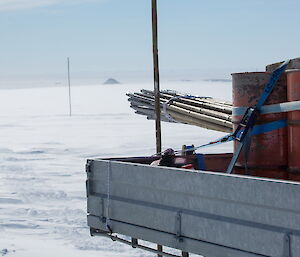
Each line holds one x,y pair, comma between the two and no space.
247,122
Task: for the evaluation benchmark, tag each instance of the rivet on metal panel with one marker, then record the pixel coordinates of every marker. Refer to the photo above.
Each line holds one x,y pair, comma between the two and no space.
287,245
178,226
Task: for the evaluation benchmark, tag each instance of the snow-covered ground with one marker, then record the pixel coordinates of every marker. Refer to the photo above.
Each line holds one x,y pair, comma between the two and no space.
43,153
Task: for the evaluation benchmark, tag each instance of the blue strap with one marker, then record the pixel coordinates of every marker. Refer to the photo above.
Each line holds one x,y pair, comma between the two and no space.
268,127
201,161
271,84
257,130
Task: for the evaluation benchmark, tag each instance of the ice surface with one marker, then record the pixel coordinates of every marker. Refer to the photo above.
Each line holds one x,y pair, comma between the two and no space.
43,153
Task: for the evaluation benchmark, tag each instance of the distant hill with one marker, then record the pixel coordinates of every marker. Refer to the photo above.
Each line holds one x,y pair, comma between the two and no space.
218,80
111,81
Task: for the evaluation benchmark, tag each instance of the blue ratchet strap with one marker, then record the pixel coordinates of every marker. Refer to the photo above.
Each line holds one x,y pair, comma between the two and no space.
268,127
257,130
247,123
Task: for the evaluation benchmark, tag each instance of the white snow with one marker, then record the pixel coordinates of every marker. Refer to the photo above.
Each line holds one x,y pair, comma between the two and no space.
43,153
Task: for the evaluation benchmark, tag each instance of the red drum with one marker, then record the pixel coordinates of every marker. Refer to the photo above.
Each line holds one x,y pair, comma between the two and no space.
293,92
268,152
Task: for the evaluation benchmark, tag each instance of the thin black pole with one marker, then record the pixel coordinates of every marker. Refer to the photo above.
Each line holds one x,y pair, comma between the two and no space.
156,76
156,86
69,82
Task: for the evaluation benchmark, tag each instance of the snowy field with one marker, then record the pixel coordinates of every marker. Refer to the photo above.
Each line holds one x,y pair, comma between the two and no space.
43,153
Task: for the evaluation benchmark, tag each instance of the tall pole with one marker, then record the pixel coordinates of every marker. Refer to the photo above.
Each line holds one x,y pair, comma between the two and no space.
69,82
156,86
156,76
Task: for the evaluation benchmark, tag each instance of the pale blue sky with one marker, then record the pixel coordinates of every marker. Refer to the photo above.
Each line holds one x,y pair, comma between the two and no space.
203,37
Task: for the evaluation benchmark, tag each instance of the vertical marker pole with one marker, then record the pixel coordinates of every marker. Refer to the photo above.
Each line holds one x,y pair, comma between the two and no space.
69,82
156,86
156,76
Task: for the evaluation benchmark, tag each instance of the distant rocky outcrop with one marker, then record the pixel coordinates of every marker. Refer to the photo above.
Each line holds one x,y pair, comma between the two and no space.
111,81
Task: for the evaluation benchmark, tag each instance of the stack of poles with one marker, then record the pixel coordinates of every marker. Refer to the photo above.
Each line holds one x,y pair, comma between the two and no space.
204,112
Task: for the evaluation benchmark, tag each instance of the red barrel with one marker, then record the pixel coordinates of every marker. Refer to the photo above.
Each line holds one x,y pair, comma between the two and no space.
268,152
293,64
293,89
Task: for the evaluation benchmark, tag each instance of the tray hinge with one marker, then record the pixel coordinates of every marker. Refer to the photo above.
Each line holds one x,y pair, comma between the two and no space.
287,245
178,227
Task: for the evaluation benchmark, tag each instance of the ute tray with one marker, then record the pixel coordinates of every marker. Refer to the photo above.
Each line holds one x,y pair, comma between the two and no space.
202,212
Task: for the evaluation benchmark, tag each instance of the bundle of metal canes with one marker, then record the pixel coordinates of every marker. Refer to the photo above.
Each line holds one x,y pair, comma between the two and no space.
204,112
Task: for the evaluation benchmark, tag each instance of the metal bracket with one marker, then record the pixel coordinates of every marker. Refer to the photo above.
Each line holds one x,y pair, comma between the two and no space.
134,242
103,218
88,183
88,166
287,245
116,238
178,227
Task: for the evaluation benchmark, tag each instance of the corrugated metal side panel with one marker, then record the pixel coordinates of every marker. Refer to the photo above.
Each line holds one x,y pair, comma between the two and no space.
225,211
